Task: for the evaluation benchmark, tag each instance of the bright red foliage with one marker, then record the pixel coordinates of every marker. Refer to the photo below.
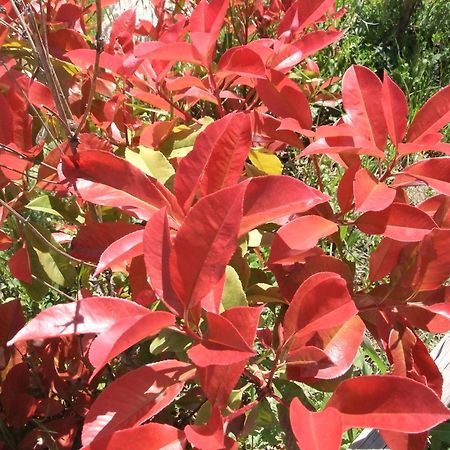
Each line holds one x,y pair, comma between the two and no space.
159,153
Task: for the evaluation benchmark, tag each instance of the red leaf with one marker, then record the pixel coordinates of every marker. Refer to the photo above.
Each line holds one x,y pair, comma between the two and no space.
338,344
301,14
93,239
321,302
11,320
435,172
209,436
202,248
241,61
133,398
345,192
433,116
401,222
157,250
125,333
19,265
218,381
89,315
395,109
105,179
152,436
433,262
284,98
262,200
221,345
317,40
205,24
297,236
217,159
385,258
410,406
5,241
121,251
362,95
308,427
370,195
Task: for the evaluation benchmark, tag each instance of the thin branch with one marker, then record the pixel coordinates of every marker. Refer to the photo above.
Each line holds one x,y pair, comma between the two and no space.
8,149
58,291
25,222
99,44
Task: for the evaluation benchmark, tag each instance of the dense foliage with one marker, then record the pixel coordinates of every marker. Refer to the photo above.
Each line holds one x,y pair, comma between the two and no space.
219,239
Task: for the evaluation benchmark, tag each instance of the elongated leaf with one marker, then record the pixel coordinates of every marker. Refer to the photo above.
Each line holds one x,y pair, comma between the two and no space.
321,302
284,98
125,333
395,109
218,381
202,248
209,436
308,427
157,250
433,116
298,236
221,345
361,95
241,61
400,222
262,200
89,315
317,40
152,436
103,178
370,195
122,250
338,344
133,398
410,407
434,172
301,14
217,159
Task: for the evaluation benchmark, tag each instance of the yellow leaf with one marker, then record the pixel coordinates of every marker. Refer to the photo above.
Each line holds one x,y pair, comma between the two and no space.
266,162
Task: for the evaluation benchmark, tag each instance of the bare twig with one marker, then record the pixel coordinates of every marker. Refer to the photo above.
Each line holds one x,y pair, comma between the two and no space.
58,291
99,44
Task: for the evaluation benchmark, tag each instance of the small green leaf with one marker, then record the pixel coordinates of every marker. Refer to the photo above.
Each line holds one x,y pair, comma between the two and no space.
151,162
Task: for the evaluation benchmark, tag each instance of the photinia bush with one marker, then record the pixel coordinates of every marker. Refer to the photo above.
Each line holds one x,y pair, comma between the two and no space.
202,292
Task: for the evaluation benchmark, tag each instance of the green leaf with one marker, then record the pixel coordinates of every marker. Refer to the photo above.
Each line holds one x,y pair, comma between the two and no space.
181,141
67,210
46,263
169,341
233,293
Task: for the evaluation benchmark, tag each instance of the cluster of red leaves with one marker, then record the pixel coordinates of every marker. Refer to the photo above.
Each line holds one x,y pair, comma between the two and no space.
178,236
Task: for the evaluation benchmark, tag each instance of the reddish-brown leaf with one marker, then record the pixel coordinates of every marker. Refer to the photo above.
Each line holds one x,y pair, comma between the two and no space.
121,252
217,159
152,436
105,179
297,236
134,398
125,333
262,200
371,195
321,302
204,244
400,222
284,98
